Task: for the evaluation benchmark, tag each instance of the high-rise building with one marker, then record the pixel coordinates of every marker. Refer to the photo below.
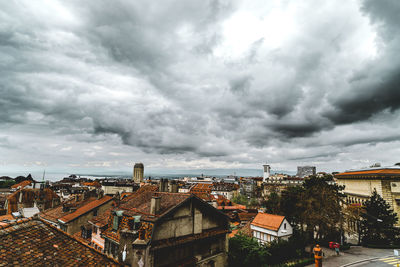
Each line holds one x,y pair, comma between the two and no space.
267,172
138,171
304,171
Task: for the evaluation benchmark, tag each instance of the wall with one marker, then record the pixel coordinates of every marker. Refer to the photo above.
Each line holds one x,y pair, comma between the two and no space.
112,190
75,225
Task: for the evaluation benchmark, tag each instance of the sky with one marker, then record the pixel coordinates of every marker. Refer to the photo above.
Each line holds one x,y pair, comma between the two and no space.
99,85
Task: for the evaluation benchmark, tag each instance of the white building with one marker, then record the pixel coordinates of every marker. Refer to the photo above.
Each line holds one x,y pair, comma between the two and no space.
267,172
268,227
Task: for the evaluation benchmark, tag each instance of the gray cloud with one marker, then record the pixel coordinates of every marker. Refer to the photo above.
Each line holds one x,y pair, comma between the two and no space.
186,82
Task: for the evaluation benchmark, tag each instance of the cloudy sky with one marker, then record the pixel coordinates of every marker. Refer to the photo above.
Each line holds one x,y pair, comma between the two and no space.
199,84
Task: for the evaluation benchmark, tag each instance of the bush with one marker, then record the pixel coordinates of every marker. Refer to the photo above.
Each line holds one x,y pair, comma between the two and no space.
6,183
246,251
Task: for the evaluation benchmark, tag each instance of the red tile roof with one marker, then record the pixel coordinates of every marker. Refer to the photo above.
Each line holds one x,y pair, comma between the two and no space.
102,219
56,213
86,208
28,197
22,184
374,172
36,243
201,188
268,221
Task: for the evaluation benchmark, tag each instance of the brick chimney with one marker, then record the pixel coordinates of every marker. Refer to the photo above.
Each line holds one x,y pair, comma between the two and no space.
155,205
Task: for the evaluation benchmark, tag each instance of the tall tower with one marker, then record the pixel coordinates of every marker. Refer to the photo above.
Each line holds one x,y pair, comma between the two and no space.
138,171
267,172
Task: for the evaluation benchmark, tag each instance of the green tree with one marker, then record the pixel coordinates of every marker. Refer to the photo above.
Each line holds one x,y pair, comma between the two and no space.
377,222
320,206
290,199
240,199
272,204
245,251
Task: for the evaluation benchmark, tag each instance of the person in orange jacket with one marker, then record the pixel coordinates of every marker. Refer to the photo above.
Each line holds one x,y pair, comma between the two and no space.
317,256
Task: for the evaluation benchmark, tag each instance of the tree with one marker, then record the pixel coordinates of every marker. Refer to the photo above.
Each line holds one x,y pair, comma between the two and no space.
320,207
377,222
272,204
290,198
245,251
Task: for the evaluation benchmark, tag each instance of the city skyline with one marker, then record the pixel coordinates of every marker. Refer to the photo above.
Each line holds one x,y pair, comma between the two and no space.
198,85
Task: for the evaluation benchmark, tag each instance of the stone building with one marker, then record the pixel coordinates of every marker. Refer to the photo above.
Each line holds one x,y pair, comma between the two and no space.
43,199
138,172
167,229
73,214
359,185
304,171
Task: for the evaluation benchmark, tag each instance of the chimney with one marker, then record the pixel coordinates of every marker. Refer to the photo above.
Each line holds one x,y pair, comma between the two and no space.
163,185
155,205
173,186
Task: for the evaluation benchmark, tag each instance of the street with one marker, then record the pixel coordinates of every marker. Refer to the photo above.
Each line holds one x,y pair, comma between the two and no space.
381,257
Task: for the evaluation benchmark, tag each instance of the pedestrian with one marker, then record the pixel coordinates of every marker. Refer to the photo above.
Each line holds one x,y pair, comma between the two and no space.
317,256
336,246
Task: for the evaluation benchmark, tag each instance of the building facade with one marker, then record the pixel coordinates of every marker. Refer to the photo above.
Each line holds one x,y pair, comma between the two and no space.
138,172
359,185
167,229
269,227
304,171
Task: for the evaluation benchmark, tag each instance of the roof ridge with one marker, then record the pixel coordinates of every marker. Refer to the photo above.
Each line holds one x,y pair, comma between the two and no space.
73,237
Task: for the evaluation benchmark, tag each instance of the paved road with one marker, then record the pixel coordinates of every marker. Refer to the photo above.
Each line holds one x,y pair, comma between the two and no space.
382,262
355,254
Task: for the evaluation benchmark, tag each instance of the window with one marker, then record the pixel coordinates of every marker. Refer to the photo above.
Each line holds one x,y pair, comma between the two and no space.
115,223
284,226
95,213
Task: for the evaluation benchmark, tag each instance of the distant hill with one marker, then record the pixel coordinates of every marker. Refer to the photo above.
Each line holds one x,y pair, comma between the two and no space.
216,172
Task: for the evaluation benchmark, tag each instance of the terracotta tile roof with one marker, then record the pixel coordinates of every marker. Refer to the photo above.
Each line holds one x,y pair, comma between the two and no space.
5,219
268,221
29,195
95,184
374,172
245,216
101,219
56,213
235,207
22,184
201,188
35,243
140,203
85,208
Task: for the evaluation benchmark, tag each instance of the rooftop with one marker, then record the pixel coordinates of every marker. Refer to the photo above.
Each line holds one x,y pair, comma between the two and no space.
22,184
35,243
85,208
371,172
56,213
268,221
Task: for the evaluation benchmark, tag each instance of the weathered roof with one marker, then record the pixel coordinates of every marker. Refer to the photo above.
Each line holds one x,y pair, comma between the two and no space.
101,219
369,172
85,208
140,203
268,221
29,195
56,213
35,243
22,184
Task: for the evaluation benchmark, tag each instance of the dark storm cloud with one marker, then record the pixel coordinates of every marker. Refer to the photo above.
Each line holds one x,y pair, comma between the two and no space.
376,87
167,79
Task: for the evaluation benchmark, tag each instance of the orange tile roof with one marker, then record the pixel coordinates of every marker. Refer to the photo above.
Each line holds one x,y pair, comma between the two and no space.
268,221
235,207
86,208
22,184
376,172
